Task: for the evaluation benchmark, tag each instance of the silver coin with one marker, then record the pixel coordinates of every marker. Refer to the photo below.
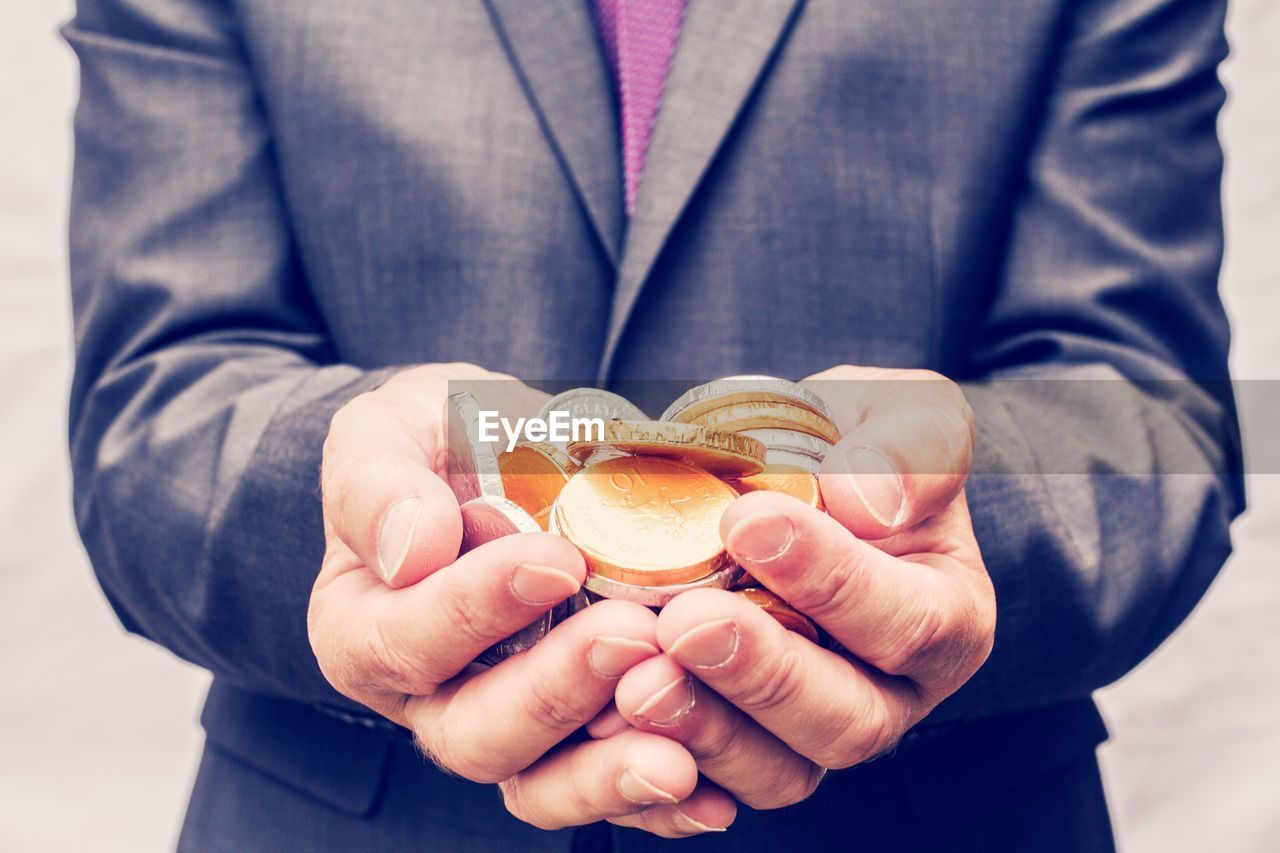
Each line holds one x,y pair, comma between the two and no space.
600,454
485,519
524,639
488,517
472,465
657,596
703,398
774,459
791,440
592,403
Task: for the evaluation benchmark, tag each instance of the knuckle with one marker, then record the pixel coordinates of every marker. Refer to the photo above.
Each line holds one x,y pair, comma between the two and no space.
529,802
348,421
555,708
834,591
512,792
340,669
718,741
340,478
942,393
870,734
434,749
386,662
932,630
985,629
975,638
335,661
775,684
787,786
814,774
460,756
474,624
516,801
947,640
477,769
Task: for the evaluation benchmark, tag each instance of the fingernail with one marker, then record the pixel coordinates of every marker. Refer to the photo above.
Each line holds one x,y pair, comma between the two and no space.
877,483
763,537
669,705
640,790
611,657
684,823
534,584
707,646
396,535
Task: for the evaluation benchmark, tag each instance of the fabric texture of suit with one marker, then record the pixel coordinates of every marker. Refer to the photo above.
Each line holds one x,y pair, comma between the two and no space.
275,204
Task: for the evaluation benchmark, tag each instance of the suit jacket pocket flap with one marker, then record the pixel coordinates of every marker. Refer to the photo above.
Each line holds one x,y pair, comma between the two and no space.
334,761
957,768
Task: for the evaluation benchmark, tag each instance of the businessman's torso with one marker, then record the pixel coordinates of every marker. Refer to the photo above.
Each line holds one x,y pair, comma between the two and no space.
830,184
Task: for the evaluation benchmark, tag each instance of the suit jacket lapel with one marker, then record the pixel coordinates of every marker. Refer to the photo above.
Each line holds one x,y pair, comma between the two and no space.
554,46
722,49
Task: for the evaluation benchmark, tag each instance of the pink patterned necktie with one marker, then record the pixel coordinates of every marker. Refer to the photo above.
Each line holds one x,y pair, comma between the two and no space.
639,38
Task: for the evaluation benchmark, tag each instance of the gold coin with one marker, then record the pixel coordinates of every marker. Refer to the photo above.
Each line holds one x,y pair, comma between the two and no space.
533,475
721,453
789,481
787,616
645,520
737,417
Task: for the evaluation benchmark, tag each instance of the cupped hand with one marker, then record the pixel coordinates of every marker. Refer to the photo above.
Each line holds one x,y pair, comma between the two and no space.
893,574
397,616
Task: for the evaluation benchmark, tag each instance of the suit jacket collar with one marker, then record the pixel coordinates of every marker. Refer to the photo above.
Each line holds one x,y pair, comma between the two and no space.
721,53
555,49
723,48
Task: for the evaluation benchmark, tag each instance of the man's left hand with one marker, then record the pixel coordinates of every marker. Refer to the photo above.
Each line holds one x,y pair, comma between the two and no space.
893,574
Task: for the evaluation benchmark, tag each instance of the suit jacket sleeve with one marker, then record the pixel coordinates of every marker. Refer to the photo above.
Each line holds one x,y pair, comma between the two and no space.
1102,500
204,380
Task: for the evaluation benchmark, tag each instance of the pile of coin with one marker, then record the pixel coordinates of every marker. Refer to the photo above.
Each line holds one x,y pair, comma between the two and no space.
642,499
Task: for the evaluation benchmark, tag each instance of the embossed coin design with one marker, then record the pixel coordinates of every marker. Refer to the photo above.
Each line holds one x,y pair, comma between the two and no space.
645,520
471,466
721,453
533,475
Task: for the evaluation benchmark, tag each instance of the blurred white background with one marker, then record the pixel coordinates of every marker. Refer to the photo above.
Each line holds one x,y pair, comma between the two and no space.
98,733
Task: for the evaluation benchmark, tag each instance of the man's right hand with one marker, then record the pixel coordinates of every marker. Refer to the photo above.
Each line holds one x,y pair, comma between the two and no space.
396,618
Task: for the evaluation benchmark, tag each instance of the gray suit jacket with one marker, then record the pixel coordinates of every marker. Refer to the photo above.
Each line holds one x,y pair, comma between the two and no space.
275,203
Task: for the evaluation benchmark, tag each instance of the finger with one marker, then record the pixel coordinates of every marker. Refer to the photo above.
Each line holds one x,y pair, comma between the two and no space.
381,496
498,722
831,710
708,809
595,780
659,696
928,621
607,723
906,446
372,641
